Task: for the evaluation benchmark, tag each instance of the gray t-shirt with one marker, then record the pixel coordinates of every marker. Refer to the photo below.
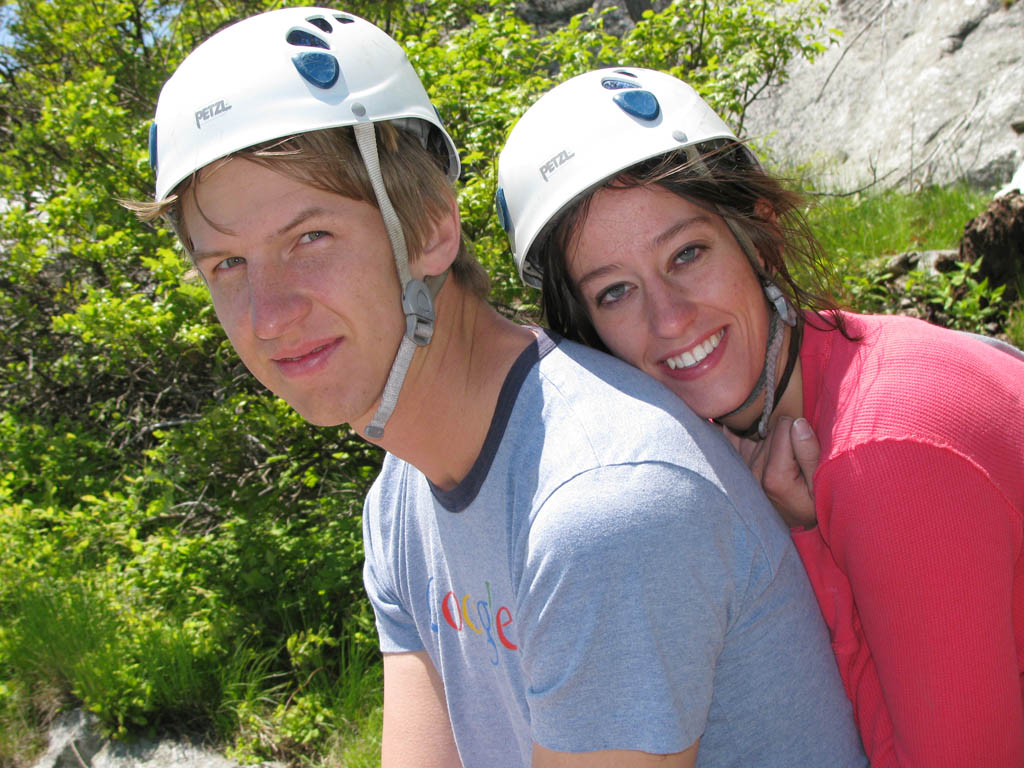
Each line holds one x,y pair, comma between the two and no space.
608,576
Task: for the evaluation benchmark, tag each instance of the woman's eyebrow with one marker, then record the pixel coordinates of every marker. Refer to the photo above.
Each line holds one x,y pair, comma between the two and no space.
679,226
594,274
657,241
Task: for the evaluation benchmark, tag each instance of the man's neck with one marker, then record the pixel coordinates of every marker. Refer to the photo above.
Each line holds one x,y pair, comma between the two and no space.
448,398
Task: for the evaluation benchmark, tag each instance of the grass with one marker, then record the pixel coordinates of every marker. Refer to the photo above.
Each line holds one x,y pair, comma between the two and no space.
133,666
1015,322
71,647
20,733
867,226
328,720
359,745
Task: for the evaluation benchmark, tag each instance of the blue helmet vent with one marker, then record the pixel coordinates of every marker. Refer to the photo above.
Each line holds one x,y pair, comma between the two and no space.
319,69
625,72
499,202
152,146
321,23
641,104
614,84
344,19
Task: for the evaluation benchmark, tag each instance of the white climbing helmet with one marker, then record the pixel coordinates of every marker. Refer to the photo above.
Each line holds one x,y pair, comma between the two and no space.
291,71
584,131
283,72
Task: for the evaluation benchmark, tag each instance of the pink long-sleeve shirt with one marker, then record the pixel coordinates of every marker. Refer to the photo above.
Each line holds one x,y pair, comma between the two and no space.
917,557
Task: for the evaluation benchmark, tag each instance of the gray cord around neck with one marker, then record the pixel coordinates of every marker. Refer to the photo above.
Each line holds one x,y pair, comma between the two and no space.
783,314
783,311
417,296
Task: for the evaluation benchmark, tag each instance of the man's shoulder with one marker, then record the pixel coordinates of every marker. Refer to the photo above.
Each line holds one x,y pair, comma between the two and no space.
583,415
577,413
588,403
580,369
585,386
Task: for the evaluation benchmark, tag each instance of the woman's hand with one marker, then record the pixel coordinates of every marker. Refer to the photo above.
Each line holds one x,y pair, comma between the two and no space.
784,464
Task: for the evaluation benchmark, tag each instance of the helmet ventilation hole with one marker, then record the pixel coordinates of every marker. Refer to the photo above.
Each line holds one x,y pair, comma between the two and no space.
321,23
614,84
319,69
503,218
305,39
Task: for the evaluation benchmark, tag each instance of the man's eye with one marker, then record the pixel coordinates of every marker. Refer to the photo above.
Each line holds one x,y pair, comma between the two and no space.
309,237
229,263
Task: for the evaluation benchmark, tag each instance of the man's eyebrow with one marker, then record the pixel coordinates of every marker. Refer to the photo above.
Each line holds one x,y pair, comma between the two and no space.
199,256
657,241
303,215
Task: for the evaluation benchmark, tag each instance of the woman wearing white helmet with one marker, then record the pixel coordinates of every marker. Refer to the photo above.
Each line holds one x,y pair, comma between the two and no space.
655,235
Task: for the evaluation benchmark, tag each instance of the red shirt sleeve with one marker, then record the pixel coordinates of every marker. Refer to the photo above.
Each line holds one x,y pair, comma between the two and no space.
926,646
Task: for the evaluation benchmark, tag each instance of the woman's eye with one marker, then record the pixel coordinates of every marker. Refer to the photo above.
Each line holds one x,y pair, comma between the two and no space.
688,254
229,263
611,294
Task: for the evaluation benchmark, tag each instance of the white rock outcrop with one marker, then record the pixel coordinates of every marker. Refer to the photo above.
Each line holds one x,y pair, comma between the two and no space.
75,742
916,92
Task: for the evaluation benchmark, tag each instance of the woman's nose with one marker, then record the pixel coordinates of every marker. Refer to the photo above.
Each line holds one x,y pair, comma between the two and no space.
671,311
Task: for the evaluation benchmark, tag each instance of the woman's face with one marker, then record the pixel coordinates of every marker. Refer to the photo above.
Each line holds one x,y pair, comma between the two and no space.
670,291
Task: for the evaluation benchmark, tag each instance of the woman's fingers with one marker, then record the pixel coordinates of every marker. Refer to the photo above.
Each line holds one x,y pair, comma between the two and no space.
788,468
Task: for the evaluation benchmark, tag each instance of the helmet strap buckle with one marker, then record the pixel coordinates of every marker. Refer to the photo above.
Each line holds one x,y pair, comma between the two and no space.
778,299
418,306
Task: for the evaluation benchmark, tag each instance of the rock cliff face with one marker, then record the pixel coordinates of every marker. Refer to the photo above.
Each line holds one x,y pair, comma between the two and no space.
916,92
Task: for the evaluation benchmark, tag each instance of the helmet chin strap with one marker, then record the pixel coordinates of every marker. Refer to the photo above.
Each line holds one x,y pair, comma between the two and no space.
417,295
783,314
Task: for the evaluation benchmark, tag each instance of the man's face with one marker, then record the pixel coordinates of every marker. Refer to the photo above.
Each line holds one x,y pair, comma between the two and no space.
304,283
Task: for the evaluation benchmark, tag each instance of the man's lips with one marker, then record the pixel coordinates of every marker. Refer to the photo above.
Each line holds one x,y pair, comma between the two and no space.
308,358
294,358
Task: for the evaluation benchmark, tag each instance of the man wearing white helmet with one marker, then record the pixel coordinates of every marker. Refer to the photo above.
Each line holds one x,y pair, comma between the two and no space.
560,575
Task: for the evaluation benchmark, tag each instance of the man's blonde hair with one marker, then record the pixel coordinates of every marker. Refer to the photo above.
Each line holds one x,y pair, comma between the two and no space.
329,159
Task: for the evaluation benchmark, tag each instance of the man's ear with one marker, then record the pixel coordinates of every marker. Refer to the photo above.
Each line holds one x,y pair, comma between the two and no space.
441,245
